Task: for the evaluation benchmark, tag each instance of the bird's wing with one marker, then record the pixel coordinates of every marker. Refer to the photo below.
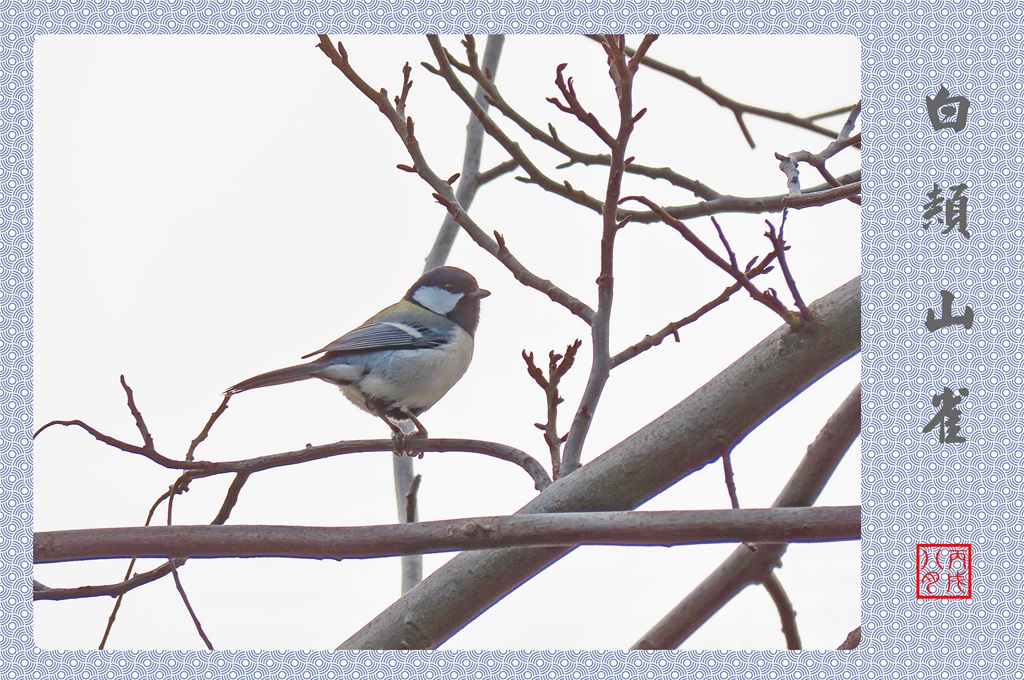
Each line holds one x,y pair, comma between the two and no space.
376,335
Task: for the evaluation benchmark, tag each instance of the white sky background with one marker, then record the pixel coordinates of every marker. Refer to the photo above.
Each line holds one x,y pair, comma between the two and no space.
209,208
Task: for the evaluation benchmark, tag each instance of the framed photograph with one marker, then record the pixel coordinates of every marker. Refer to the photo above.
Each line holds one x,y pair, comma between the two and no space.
720,369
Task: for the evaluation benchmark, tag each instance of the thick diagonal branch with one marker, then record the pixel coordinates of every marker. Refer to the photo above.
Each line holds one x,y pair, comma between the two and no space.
744,567
687,437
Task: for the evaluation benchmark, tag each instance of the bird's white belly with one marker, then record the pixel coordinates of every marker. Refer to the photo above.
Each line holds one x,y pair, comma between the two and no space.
416,379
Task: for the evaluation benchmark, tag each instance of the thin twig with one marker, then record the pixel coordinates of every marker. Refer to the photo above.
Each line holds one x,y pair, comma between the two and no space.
135,581
769,301
230,498
789,163
111,590
730,481
497,171
188,606
205,432
672,329
575,156
785,608
177,579
725,242
131,582
147,438
558,366
778,242
738,108
831,112
444,193
123,446
730,485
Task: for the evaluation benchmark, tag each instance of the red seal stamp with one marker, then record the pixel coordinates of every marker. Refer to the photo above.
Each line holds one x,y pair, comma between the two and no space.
944,571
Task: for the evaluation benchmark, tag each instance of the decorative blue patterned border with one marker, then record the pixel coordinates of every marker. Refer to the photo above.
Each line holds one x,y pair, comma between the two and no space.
908,49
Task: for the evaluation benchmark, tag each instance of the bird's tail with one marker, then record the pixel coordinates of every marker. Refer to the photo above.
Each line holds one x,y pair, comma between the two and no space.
278,377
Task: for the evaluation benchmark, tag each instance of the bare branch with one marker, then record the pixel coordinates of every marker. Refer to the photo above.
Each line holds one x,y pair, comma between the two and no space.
551,139
188,606
201,437
730,481
622,77
652,459
832,112
738,108
127,584
123,446
744,567
789,163
497,171
780,248
472,178
112,590
815,197
200,469
660,528
769,301
231,497
714,202
406,481
444,192
147,438
852,640
672,329
412,513
492,449
785,608
405,477
558,366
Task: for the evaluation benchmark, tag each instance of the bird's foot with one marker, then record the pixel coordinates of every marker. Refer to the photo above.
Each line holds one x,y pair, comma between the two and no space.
408,444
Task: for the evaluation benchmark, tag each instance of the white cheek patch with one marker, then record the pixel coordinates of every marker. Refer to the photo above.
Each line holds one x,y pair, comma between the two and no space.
437,299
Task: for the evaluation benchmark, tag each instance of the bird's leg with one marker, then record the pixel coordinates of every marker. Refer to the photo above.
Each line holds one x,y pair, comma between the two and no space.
398,436
420,433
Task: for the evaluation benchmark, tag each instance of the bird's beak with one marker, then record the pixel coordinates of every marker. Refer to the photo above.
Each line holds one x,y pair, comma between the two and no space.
480,293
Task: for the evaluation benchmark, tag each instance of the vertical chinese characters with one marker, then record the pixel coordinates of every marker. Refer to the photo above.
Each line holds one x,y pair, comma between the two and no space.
947,208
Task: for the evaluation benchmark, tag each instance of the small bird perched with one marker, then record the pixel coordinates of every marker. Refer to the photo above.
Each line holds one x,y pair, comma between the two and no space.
403,359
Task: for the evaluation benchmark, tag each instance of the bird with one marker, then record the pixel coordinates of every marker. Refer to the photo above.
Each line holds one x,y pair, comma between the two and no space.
404,358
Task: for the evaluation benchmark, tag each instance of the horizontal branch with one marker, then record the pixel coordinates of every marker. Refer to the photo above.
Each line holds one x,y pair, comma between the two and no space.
41,592
492,449
662,528
201,468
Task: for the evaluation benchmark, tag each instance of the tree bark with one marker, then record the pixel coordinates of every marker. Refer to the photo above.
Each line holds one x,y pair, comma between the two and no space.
690,435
